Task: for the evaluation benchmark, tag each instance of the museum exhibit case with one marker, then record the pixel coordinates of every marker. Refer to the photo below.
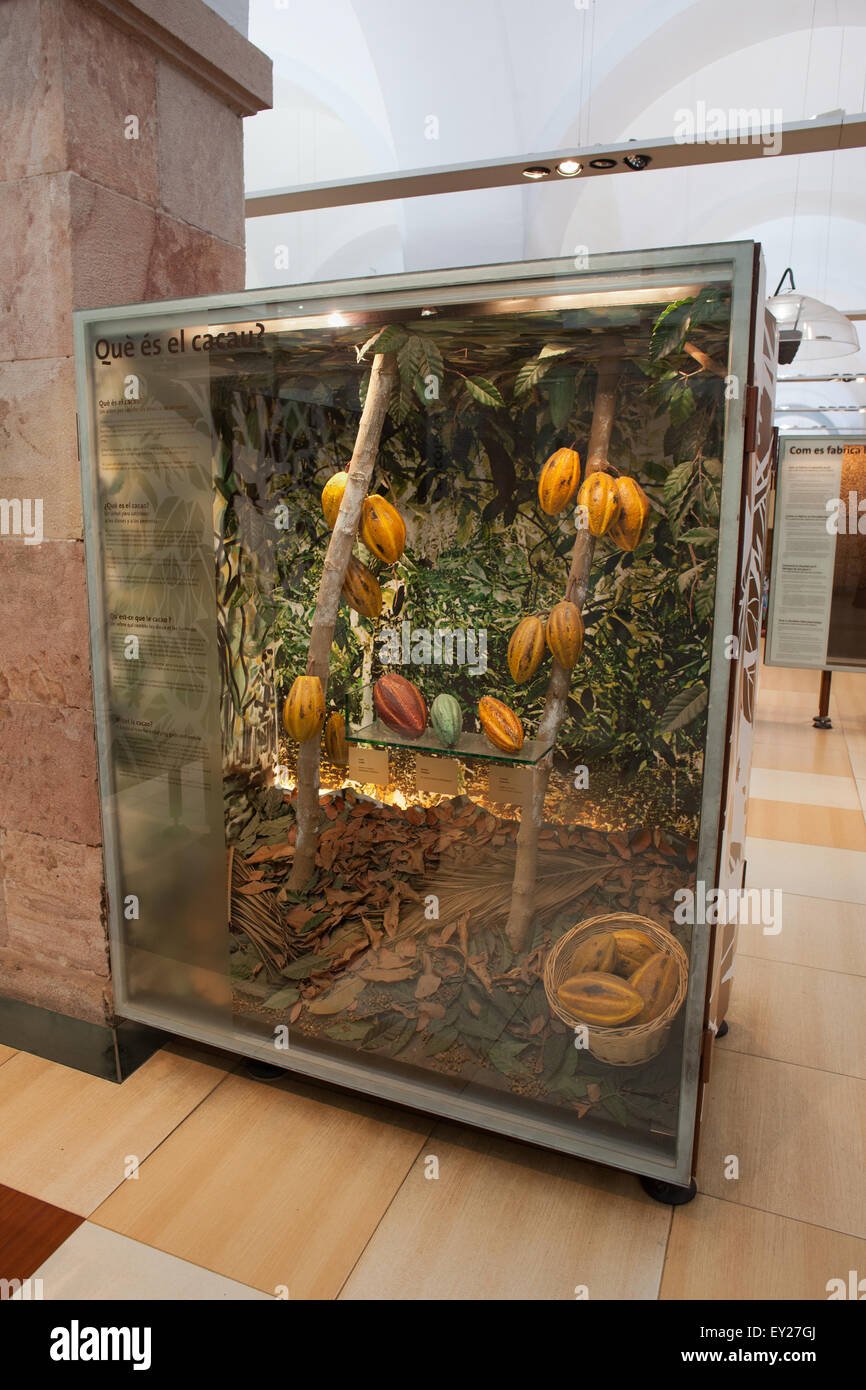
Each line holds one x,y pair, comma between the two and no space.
424,617
817,601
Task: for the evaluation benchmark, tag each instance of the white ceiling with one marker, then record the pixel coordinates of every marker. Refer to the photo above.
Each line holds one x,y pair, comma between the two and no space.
357,81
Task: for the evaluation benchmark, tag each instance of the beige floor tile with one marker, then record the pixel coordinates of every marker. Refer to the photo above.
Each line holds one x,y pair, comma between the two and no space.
849,691
503,1221
272,1185
96,1264
807,788
855,741
794,1013
806,825
829,759
795,707
67,1137
861,792
828,936
787,678
799,1137
814,871
6,1053
719,1250
796,732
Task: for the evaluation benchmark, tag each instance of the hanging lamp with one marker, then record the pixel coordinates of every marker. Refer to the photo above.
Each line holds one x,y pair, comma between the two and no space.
808,328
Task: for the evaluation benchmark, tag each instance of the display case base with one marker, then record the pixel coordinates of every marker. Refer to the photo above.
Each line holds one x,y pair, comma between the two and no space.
669,1193
262,1071
722,1030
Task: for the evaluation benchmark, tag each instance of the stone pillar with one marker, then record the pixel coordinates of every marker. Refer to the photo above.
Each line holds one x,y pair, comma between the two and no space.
121,179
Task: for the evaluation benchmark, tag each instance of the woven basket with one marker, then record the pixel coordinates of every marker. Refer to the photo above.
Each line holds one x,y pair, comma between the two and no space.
634,1043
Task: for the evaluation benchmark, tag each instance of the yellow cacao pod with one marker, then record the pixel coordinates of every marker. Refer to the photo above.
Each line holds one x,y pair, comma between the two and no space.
599,498
332,496
633,947
526,649
565,633
383,530
304,710
602,1000
627,531
656,982
336,747
361,590
559,481
597,952
500,724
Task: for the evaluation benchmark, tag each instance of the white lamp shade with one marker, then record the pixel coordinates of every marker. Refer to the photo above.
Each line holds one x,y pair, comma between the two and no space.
823,331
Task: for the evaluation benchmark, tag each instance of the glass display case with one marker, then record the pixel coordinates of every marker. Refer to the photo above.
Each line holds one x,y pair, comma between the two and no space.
421,643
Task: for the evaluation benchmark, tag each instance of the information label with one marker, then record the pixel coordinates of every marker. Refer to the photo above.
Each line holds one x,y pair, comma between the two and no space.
508,784
804,552
436,774
369,765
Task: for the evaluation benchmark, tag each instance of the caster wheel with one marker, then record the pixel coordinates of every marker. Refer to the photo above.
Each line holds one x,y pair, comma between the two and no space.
669,1193
262,1071
722,1030
822,722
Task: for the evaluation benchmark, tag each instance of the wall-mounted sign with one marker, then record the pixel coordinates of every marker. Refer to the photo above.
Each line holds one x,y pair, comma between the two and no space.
817,611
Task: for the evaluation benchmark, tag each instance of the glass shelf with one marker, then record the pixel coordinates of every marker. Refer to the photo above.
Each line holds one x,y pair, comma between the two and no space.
467,746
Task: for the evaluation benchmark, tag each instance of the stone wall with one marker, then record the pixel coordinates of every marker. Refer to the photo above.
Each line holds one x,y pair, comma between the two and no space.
91,214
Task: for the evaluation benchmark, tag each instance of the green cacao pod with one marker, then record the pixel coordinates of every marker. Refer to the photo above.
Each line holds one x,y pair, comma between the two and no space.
526,649
304,710
446,716
559,481
400,705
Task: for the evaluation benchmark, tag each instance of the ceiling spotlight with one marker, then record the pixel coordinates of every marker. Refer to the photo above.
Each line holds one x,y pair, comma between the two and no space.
637,161
536,171
602,164
428,313
568,168
336,320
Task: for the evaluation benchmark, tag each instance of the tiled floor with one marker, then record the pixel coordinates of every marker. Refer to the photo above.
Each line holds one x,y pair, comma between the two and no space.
192,1181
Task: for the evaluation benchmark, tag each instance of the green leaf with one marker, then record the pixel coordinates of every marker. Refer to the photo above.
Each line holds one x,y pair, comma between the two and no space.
409,359
682,405
283,998
676,481
303,967
483,390
684,708
530,373
700,535
363,387
615,1106
389,339
705,596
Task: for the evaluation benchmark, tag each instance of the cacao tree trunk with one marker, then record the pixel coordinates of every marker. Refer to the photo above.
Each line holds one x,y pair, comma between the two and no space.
337,558
532,815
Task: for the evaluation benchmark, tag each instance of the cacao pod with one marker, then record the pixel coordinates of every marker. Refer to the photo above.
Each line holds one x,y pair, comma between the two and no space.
332,496
383,530
400,705
559,481
565,633
361,590
500,724
598,496
446,716
627,531
304,710
336,747
602,1000
633,947
656,982
526,649
596,952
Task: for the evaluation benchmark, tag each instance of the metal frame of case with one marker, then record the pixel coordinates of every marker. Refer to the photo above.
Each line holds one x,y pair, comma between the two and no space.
608,279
